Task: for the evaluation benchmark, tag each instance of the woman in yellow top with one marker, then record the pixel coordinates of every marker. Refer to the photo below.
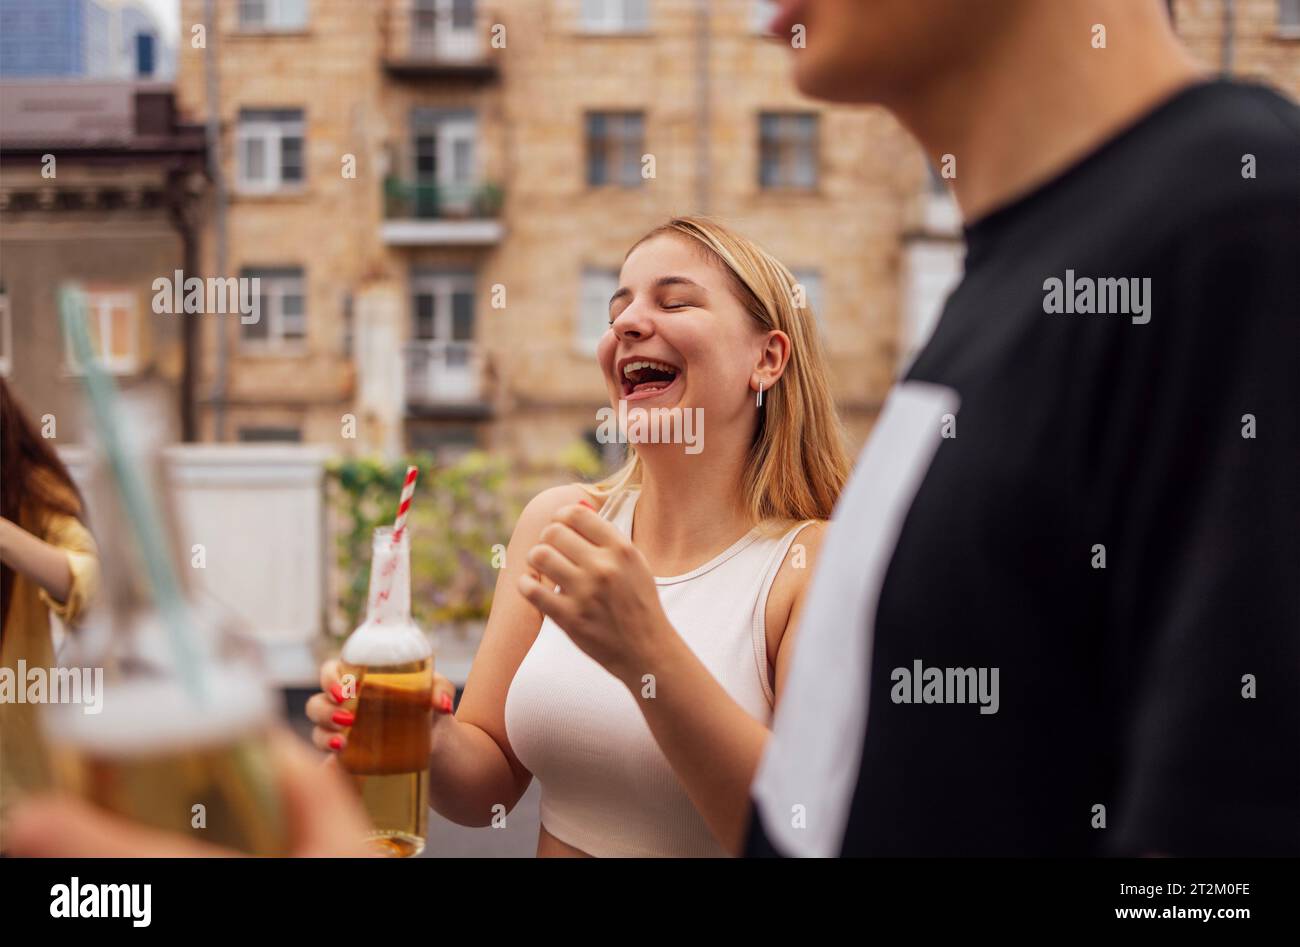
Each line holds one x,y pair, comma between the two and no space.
48,563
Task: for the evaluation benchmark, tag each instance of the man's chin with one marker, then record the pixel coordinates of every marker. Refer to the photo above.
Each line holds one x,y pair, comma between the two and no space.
819,78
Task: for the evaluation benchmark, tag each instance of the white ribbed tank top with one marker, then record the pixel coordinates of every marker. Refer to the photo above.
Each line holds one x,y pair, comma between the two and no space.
607,788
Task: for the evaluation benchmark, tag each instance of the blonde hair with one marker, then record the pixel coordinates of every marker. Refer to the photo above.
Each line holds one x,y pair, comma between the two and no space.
797,463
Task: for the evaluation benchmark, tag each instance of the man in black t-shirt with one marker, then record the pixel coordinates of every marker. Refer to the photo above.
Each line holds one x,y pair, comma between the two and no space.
1058,609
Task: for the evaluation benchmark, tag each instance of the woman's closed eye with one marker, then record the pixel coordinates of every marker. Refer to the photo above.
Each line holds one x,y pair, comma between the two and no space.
668,305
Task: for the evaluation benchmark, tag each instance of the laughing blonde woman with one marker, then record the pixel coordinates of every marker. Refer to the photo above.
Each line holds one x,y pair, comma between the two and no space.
643,627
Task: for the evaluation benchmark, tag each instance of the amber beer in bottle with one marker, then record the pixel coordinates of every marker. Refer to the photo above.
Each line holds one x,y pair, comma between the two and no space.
386,674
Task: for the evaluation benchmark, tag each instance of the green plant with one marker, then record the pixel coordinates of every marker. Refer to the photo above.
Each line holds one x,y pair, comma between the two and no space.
488,201
459,513
462,515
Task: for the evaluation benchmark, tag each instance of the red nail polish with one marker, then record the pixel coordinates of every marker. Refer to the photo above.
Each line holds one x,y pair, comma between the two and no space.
587,505
344,718
444,703
336,743
337,693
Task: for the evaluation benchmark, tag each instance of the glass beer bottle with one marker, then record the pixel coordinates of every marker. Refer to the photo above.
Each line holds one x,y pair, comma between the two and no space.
386,673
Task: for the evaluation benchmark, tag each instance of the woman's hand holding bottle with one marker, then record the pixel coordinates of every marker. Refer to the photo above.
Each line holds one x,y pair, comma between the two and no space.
332,719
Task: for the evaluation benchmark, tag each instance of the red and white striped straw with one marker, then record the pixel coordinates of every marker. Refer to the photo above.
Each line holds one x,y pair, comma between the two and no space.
399,526
404,506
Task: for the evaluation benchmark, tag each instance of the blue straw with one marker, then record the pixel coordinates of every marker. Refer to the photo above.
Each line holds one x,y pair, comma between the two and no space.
145,520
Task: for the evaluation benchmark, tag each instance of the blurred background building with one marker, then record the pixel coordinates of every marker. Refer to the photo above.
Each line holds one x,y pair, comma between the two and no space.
436,196
100,184
94,39
440,192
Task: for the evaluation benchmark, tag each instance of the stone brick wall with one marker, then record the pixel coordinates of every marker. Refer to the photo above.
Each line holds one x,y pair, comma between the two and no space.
1260,51
531,141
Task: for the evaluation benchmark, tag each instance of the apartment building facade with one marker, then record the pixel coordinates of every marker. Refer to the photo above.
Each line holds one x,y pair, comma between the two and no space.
449,187
53,38
436,196
90,39
1249,39
101,187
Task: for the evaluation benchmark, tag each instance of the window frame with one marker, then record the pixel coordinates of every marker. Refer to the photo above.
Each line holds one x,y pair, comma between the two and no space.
787,177
447,129
272,288
271,21
443,285
99,301
614,138
273,133
1288,19
434,30
615,18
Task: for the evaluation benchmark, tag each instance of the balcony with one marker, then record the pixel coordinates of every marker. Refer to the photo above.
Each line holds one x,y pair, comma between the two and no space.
437,39
433,215
446,379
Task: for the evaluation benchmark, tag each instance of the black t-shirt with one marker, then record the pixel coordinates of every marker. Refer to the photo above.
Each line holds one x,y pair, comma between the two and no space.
1115,525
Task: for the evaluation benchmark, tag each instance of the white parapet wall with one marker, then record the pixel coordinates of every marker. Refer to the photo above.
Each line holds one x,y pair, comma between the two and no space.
257,511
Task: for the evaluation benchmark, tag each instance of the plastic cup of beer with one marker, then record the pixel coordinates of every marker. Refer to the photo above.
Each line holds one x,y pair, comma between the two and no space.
386,675
157,754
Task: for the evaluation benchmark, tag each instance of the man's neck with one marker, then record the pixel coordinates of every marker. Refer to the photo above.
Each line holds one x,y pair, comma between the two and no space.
1038,97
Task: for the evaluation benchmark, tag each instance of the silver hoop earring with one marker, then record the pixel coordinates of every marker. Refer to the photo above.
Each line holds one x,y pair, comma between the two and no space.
760,394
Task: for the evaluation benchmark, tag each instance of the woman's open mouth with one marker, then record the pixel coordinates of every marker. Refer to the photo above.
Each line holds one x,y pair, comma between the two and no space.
646,378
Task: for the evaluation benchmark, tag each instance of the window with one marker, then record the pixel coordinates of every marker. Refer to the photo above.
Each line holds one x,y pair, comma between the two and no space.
787,150
442,161
112,321
272,15
615,16
444,28
271,149
424,19
6,334
282,314
447,443
1288,17
442,361
442,305
593,307
615,143
462,14
265,435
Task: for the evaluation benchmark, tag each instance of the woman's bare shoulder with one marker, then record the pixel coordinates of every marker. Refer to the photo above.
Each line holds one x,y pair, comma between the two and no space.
541,509
792,581
796,569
